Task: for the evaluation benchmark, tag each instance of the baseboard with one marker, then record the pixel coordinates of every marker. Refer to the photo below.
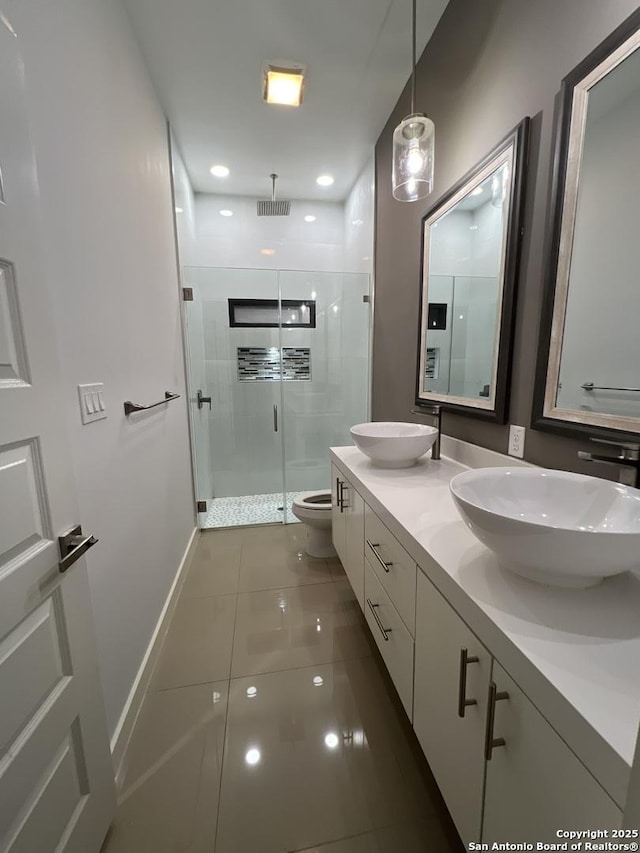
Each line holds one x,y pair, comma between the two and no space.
129,715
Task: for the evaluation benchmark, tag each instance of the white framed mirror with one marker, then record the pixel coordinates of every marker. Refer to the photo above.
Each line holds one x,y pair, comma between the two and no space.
470,258
588,378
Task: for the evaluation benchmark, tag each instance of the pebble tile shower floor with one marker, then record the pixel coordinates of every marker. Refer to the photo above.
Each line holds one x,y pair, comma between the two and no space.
270,725
249,509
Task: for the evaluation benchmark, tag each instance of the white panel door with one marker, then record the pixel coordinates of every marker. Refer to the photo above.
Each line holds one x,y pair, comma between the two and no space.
56,776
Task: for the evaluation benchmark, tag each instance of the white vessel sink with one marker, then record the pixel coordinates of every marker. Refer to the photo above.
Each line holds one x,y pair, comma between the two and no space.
392,444
553,527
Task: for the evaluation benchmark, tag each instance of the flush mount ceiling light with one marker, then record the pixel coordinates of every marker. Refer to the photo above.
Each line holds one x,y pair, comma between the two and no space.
325,180
309,218
413,145
219,171
226,213
283,85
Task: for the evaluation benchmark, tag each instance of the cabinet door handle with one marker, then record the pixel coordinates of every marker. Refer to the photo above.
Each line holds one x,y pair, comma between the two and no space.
343,488
463,702
275,418
374,546
384,631
489,740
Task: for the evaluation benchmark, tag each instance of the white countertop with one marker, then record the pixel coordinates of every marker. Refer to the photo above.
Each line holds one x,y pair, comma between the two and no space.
575,653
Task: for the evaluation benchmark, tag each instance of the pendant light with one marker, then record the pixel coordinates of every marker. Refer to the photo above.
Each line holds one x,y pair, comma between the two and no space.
413,146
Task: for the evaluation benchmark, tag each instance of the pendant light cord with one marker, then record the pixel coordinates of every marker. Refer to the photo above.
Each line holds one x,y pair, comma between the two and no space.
413,60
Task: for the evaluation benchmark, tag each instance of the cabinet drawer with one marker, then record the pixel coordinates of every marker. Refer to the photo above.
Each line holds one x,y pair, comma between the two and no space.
395,569
392,638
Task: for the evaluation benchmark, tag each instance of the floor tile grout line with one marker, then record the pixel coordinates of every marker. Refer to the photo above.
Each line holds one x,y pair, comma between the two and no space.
226,722
303,666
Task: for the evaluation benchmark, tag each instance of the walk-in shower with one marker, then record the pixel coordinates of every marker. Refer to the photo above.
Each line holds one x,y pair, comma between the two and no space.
278,371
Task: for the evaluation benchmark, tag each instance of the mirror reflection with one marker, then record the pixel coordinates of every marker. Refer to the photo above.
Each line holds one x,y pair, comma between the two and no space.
588,364
603,300
470,259
463,288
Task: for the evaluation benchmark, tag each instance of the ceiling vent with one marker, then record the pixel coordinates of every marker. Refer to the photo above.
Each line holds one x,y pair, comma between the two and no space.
273,207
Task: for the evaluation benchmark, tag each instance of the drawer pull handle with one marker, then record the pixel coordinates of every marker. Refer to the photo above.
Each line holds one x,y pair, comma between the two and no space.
490,741
374,546
463,702
385,631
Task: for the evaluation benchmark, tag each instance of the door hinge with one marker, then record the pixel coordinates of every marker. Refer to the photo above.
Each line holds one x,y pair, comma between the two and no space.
187,294
365,298
202,506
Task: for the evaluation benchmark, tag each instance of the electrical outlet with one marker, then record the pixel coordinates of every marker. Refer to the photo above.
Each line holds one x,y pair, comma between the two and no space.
516,441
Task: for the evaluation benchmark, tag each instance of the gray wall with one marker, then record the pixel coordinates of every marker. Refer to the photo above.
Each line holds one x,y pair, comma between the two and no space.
488,64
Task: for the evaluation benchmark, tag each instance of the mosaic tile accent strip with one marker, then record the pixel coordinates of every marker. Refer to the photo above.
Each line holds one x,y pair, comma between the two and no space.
262,364
249,509
432,369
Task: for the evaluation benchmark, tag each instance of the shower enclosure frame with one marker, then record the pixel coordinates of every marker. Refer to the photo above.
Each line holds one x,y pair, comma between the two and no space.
368,296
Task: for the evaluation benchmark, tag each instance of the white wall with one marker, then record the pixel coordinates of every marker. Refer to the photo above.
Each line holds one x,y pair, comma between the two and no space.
359,222
246,240
101,147
601,342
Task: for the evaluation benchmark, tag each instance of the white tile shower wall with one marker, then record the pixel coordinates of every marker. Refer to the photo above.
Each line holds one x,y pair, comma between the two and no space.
359,212
246,240
246,452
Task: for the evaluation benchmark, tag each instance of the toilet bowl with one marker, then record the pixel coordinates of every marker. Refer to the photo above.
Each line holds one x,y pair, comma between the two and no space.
314,511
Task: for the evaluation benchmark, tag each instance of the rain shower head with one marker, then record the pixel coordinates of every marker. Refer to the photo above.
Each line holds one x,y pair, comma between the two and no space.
273,207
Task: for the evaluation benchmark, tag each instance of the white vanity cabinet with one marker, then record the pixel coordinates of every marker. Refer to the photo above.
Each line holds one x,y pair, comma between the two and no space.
535,785
395,568
391,635
347,514
505,773
452,675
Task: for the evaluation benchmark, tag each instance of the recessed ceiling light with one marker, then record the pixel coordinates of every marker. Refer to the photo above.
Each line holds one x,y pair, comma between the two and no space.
325,180
219,171
226,213
267,251
179,210
477,191
283,85
309,218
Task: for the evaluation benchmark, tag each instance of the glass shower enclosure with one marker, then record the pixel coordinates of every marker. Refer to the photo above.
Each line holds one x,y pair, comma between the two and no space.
278,370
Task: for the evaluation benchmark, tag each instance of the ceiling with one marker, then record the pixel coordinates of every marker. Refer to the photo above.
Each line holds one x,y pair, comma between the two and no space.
206,57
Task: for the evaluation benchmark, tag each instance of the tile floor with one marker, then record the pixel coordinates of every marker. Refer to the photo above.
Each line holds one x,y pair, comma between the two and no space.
270,725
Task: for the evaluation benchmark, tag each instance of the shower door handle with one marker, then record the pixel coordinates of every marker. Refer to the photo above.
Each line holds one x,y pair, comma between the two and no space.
275,418
202,400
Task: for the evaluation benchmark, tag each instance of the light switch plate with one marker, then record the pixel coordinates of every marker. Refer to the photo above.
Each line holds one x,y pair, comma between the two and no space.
516,441
92,404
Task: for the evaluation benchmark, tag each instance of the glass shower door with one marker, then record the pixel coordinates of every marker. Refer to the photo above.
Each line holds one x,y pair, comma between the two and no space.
325,373
234,358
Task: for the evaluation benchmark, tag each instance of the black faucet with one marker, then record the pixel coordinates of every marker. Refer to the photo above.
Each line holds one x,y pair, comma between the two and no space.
627,460
435,410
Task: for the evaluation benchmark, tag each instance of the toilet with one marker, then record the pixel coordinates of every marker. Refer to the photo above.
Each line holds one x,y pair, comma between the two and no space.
314,511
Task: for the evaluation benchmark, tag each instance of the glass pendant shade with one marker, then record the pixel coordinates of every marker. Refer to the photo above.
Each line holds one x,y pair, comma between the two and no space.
413,154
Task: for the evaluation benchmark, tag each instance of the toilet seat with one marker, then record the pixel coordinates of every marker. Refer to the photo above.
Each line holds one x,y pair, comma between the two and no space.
315,510
314,501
